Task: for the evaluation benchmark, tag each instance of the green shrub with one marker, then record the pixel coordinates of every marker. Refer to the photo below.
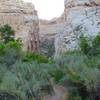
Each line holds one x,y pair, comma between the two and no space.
29,57
7,33
57,74
84,45
80,71
14,44
96,42
25,77
75,98
95,49
34,77
10,52
2,48
90,50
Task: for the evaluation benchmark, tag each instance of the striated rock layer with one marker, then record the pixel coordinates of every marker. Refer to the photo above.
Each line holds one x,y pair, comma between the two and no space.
81,17
51,27
23,19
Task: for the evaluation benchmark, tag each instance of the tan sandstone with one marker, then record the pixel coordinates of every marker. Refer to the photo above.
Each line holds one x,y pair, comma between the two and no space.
24,20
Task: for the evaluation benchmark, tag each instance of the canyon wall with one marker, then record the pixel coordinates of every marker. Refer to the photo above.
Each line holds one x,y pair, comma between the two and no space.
81,17
52,27
48,31
24,20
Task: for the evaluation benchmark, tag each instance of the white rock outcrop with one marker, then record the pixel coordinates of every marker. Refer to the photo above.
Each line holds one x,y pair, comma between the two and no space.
81,17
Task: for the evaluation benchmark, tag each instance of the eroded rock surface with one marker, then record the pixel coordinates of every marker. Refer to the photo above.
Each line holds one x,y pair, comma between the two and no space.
23,19
81,17
51,27
48,32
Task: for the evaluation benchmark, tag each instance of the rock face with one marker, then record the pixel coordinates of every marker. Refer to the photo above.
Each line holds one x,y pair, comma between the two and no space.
23,19
81,17
48,31
51,27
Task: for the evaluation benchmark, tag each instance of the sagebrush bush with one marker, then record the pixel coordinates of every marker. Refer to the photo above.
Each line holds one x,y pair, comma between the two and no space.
82,73
27,80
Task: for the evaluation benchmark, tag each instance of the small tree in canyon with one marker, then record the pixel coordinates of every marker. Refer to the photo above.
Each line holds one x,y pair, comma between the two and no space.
6,33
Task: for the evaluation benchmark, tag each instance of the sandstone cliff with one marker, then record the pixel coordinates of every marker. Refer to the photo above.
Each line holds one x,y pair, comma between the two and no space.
23,19
81,17
48,31
51,27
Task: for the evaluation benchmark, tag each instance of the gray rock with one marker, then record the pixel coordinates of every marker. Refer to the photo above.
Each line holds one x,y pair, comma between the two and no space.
81,17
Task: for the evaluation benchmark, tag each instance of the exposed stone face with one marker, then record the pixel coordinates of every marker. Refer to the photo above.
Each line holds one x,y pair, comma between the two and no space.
48,32
52,27
74,3
23,19
81,17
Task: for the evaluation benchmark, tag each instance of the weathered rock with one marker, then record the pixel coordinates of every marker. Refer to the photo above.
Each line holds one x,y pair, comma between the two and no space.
81,17
48,31
52,27
23,19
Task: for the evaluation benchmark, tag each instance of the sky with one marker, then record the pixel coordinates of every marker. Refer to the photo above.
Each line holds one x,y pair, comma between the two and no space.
48,9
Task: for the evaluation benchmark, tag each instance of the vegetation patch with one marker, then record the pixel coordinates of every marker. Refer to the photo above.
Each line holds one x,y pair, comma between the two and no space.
30,76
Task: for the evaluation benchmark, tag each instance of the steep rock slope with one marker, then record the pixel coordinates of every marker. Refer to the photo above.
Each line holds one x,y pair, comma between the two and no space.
24,20
81,17
51,27
48,31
